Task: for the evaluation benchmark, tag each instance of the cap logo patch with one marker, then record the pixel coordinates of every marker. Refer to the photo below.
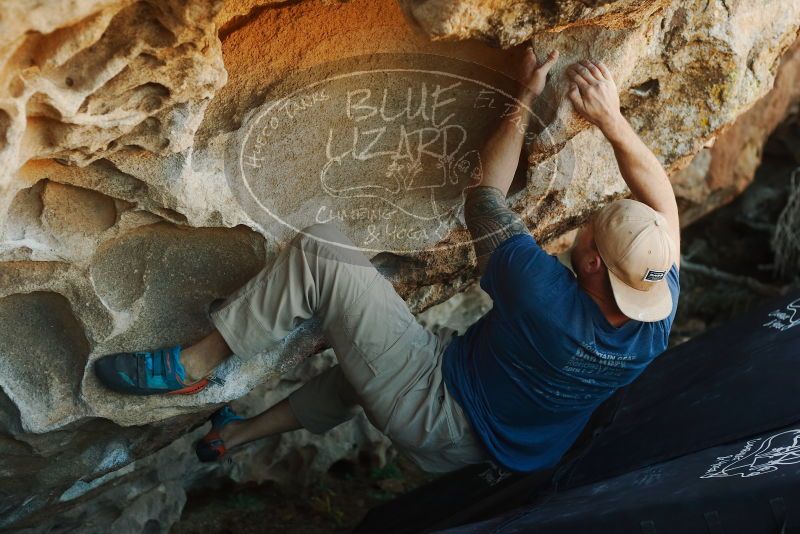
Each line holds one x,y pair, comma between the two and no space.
653,276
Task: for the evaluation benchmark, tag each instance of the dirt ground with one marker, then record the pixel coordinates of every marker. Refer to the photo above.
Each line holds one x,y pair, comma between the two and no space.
335,503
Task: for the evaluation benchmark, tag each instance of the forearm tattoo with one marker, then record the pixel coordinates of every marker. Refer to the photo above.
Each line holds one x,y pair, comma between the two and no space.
490,221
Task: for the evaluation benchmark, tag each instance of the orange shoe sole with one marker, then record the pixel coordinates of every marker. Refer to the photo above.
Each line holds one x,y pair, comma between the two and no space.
193,388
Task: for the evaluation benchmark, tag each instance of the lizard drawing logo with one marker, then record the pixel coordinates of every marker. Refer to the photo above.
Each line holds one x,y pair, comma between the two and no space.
386,147
418,160
784,319
759,456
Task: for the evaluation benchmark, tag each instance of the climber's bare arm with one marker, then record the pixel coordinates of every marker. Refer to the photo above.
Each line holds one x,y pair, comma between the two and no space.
594,95
489,219
501,151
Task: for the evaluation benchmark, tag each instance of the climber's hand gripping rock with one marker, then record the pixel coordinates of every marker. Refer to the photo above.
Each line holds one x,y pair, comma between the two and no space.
594,93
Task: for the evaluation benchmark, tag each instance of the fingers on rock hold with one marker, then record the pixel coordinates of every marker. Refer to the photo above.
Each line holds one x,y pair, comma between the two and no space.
604,69
574,95
577,77
593,69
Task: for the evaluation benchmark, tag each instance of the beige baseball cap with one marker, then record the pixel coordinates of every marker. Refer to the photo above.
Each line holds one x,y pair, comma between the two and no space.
634,242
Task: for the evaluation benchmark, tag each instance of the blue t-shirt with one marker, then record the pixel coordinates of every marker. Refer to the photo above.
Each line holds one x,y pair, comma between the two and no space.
531,371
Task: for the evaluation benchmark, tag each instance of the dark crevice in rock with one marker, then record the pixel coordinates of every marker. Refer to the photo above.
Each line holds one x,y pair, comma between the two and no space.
5,125
646,89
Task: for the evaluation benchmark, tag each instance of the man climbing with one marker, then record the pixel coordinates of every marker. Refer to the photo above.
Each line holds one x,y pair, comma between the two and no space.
522,381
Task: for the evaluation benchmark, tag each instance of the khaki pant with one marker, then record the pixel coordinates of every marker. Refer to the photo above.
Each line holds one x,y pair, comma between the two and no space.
389,364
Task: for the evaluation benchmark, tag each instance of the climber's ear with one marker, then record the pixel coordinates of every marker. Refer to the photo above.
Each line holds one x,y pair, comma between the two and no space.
593,263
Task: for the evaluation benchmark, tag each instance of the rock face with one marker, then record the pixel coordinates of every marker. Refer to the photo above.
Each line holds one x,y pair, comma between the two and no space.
723,170
155,155
511,23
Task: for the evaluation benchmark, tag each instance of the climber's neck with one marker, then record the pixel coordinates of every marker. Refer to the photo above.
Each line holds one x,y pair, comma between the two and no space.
599,290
